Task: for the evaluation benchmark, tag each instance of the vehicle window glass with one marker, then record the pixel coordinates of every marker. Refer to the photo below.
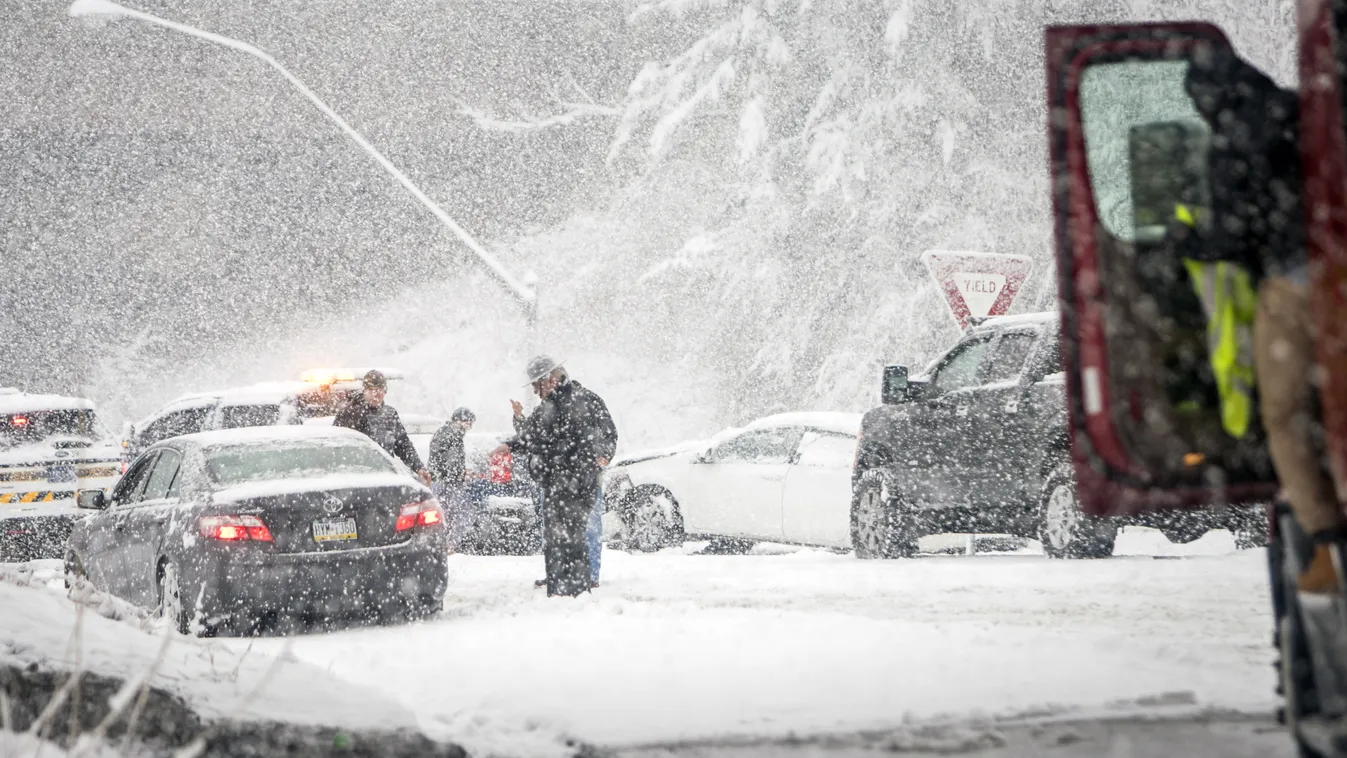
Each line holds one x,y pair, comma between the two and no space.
1145,145
237,464
758,446
162,476
132,484
176,424
960,368
30,427
238,416
1007,361
827,450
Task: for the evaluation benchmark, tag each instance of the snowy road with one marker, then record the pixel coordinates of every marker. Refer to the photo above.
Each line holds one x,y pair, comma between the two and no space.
678,647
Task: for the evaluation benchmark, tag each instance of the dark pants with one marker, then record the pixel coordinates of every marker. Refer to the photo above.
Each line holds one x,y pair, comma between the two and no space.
566,549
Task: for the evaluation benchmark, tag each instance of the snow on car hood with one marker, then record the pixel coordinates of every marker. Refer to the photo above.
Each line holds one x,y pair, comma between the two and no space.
275,487
692,446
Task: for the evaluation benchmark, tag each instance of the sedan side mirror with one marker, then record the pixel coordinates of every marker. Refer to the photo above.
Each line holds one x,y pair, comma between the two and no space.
895,387
93,500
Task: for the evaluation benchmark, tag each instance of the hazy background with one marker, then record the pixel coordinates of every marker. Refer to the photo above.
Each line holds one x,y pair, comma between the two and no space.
725,201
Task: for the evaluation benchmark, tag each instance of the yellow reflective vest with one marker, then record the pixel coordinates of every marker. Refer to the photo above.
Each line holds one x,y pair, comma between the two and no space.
1229,300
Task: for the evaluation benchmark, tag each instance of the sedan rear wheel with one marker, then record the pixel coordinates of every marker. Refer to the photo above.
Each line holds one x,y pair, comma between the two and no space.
171,604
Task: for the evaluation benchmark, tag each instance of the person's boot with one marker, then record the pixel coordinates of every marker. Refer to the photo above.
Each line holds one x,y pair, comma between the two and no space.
1320,577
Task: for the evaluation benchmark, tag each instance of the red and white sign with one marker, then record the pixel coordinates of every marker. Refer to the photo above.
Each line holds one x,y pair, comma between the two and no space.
977,284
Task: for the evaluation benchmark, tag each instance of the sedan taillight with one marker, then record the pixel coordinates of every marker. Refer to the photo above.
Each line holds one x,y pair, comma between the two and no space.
501,466
234,528
424,513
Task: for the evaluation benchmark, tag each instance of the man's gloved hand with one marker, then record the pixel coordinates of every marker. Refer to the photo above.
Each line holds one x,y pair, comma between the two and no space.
425,476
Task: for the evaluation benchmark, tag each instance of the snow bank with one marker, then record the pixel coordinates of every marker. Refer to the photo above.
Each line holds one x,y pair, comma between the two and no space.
219,680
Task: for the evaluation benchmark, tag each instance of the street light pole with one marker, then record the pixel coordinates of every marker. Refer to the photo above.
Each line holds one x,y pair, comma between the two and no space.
523,292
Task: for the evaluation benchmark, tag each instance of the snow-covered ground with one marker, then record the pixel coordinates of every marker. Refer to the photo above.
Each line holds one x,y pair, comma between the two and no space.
680,646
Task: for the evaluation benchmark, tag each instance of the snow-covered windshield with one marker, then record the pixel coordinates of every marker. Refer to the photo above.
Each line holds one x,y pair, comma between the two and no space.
31,427
229,466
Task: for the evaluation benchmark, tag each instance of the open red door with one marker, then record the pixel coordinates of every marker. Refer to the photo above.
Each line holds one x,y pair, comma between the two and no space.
1323,142
1129,159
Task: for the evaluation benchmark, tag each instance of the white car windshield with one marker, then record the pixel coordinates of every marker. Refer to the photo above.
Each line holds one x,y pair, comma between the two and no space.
238,464
32,427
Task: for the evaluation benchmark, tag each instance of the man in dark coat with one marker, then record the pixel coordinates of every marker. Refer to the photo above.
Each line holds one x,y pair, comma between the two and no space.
1258,223
368,414
568,440
447,462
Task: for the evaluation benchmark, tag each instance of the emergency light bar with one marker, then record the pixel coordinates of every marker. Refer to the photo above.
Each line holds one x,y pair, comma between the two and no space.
328,376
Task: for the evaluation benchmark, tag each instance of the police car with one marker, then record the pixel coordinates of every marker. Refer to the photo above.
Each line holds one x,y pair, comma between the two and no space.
316,395
51,446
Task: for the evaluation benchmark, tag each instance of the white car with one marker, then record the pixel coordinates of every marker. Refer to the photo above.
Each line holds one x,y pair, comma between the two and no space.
784,478
51,446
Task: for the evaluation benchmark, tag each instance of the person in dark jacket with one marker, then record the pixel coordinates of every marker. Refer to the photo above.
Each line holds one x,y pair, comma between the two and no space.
567,440
447,462
368,414
594,531
1259,224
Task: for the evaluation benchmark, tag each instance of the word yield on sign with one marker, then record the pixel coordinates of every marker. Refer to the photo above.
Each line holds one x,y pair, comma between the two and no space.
977,284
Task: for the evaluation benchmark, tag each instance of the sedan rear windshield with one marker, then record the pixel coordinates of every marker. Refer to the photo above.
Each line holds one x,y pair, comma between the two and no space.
36,426
233,465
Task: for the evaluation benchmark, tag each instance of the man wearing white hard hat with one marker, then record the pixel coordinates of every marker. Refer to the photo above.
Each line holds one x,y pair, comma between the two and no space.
567,441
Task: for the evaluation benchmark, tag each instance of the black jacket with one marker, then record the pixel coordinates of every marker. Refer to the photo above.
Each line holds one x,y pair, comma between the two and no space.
564,437
1254,164
381,425
447,457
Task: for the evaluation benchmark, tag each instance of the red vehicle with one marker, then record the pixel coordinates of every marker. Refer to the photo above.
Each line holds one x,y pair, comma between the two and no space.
1127,145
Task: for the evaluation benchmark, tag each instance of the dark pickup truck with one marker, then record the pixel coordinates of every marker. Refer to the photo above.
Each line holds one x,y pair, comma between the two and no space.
979,445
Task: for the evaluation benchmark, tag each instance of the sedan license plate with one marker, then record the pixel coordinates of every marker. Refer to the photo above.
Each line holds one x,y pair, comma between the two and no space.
325,530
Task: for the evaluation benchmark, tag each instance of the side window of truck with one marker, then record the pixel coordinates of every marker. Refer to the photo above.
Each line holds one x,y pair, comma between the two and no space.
1006,361
960,367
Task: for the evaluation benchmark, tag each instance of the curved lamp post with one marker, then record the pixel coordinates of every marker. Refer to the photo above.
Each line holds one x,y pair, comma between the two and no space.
522,291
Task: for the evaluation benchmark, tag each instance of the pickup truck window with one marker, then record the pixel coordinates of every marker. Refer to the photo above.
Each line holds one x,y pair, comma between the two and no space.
1007,361
960,368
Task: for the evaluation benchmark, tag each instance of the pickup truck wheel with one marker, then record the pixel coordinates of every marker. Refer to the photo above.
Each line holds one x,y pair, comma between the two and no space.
651,520
878,526
1064,530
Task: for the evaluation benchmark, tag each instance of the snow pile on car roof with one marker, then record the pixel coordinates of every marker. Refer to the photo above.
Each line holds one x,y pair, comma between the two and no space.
260,435
23,402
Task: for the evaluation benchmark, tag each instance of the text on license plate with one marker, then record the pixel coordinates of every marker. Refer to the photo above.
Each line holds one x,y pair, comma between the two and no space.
334,529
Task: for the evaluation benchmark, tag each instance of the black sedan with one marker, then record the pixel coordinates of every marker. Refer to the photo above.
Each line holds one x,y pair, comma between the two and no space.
228,530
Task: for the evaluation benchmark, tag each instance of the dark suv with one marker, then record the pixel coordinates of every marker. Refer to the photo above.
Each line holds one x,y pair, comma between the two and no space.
979,445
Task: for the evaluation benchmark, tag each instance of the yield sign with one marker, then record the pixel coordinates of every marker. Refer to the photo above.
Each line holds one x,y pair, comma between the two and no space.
977,284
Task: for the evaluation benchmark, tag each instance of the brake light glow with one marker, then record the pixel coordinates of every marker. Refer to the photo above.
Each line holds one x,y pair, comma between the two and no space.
234,528
19,421
501,466
424,513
